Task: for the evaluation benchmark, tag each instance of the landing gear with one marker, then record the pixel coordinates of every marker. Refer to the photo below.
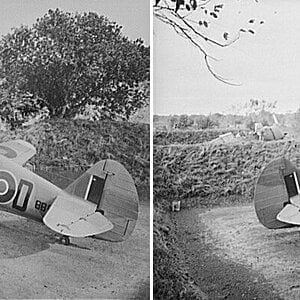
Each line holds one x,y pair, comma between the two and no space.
65,240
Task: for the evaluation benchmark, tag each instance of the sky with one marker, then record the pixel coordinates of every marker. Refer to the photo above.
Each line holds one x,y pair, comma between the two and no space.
133,15
265,65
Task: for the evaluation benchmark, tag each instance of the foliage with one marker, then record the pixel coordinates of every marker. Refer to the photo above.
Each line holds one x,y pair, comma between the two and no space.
186,122
207,174
183,137
18,107
170,279
244,117
194,20
74,60
253,107
205,122
256,111
183,121
214,171
76,145
257,106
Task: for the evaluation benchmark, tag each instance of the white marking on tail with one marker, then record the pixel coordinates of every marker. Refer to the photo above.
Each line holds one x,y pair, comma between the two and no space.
88,187
297,183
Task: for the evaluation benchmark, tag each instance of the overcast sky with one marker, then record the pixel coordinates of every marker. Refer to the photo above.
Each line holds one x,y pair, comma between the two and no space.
267,65
133,15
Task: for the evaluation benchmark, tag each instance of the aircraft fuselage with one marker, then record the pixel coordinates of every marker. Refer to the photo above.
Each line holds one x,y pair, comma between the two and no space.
23,192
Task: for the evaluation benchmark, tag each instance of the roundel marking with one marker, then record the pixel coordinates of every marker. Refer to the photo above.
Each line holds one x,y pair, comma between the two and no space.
7,186
3,187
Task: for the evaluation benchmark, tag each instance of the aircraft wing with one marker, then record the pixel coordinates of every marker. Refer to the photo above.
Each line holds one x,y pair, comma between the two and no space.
290,214
72,216
18,150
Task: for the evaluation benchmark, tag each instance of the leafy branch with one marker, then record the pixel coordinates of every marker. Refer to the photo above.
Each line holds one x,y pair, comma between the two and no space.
192,19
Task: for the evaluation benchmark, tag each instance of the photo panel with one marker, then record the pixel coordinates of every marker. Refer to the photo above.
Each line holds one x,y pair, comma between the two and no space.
226,120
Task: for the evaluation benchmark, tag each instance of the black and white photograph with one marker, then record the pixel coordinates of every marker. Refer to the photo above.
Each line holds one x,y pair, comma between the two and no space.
75,149
226,157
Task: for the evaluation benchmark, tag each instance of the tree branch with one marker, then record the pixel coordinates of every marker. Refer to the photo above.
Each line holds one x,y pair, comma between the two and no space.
184,29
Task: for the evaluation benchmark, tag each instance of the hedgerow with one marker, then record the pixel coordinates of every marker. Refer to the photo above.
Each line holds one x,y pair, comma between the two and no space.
76,145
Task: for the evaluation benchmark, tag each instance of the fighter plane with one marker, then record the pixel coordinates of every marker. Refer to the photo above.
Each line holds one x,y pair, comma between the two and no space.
277,195
102,203
270,133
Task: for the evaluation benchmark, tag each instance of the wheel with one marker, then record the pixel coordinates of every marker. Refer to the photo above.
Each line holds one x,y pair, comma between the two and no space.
65,240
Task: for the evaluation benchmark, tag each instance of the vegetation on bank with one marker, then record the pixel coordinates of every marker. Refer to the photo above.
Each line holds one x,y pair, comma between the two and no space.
182,137
77,144
170,279
211,170
204,174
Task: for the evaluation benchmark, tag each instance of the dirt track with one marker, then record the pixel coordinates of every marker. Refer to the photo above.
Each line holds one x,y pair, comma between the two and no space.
34,265
231,256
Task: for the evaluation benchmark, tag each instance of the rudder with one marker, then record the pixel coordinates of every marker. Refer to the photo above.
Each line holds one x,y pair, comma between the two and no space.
109,185
271,192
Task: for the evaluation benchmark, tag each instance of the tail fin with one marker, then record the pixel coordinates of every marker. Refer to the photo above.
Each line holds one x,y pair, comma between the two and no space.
273,193
109,185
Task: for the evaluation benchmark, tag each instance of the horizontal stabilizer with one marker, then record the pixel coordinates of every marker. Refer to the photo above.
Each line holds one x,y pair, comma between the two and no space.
295,200
290,214
71,216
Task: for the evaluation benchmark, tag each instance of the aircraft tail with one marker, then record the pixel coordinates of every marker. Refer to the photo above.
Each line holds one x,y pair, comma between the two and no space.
109,185
276,188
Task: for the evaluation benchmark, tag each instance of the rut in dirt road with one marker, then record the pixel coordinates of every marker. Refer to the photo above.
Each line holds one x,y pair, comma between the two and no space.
218,274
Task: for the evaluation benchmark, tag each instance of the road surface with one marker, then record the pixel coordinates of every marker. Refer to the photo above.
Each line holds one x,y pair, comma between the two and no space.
232,256
34,265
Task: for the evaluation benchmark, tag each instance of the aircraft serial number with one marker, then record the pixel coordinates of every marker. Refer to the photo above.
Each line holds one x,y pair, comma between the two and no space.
42,206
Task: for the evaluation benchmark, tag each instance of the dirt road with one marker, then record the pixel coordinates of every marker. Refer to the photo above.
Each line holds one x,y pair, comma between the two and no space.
232,256
34,265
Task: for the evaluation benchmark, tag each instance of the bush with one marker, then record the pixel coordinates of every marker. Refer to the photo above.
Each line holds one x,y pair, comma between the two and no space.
210,170
76,145
187,136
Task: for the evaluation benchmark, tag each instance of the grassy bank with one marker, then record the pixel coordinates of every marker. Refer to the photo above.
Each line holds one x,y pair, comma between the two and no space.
182,137
214,171
202,175
75,145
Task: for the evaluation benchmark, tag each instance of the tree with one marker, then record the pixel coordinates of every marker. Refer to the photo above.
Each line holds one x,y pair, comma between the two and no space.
72,61
18,108
206,122
183,121
173,121
193,19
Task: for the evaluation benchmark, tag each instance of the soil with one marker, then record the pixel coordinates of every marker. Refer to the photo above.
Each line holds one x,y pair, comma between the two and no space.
230,255
34,265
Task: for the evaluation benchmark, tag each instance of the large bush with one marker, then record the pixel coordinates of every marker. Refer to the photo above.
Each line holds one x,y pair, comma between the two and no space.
74,60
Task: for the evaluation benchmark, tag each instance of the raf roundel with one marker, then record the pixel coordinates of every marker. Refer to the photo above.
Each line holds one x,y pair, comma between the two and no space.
7,186
3,187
